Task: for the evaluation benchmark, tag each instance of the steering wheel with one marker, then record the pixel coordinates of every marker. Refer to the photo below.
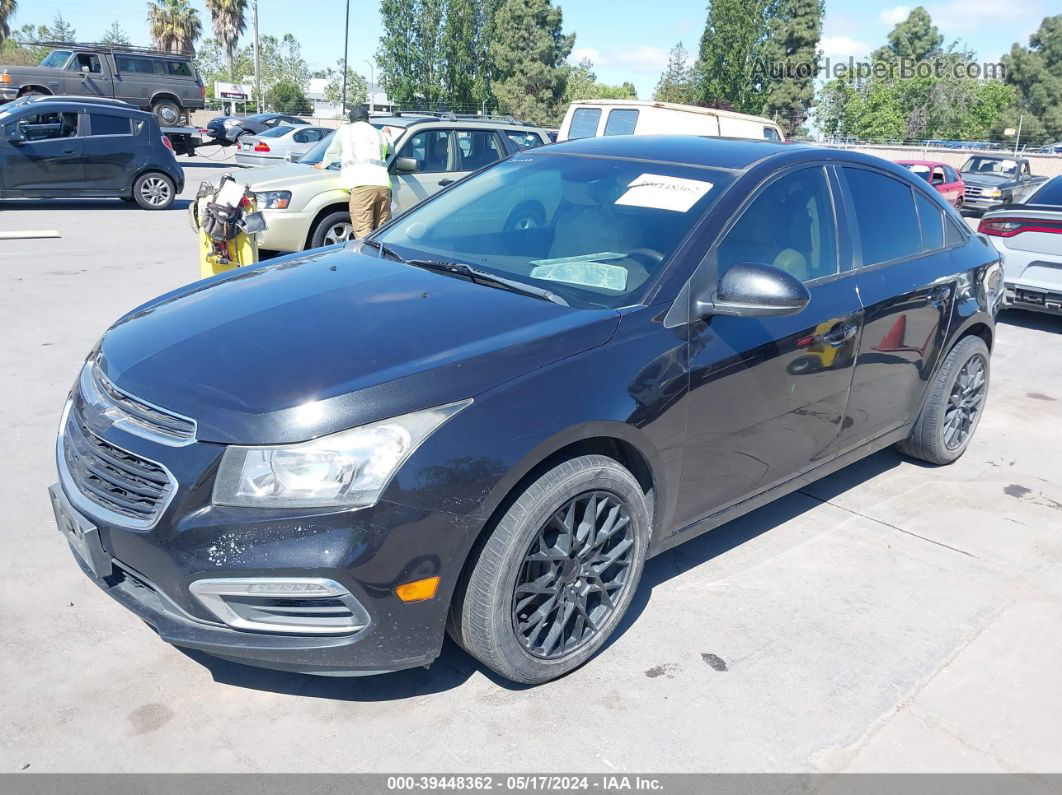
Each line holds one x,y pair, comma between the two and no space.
653,256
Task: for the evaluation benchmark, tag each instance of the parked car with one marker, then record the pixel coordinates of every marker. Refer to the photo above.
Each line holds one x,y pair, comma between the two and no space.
1029,238
306,207
322,462
941,176
65,147
165,83
593,117
994,179
226,130
278,145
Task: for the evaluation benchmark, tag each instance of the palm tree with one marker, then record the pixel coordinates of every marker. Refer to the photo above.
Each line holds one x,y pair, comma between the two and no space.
227,17
174,25
7,10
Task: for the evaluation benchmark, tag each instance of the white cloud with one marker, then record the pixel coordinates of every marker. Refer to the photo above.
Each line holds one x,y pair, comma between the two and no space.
642,58
579,53
896,15
839,47
972,15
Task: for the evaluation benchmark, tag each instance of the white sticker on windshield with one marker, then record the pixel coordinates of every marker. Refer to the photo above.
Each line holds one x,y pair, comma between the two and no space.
585,270
660,192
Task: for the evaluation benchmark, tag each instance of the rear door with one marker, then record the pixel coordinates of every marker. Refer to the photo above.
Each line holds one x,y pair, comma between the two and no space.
767,395
907,283
49,161
112,144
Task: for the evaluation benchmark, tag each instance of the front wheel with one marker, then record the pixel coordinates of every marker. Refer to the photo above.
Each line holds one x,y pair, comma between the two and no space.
168,112
558,572
953,406
333,228
154,191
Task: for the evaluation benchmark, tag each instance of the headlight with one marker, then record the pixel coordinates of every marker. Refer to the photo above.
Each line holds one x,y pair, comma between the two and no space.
273,199
349,469
995,193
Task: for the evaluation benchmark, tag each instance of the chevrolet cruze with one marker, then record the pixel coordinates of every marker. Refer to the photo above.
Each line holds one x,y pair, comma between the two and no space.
462,424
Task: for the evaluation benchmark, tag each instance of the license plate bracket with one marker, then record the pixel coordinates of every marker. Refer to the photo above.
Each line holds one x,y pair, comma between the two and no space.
80,533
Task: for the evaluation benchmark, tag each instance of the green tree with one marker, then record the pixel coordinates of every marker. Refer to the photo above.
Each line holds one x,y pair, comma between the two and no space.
25,54
7,11
174,25
583,84
678,83
227,19
458,54
1035,74
528,51
483,88
115,35
915,38
396,54
61,30
287,96
731,47
357,88
791,55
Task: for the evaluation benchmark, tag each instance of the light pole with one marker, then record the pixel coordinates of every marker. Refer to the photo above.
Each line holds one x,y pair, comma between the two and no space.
372,83
346,37
257,63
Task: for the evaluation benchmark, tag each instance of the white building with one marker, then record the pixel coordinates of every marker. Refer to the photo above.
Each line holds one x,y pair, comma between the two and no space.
323,109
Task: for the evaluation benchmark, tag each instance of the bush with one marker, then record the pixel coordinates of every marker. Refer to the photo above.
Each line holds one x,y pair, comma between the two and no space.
287,96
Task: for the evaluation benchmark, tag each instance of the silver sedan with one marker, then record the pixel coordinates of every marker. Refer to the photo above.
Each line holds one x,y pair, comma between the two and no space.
277,146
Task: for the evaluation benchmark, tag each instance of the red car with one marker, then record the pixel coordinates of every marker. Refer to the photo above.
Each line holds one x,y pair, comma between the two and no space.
941,176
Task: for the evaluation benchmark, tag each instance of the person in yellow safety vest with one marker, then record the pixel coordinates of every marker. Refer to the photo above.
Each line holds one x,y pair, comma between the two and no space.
361,151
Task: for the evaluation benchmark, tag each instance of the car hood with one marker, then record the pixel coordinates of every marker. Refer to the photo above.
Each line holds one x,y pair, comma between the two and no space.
312,344
986,180
283,177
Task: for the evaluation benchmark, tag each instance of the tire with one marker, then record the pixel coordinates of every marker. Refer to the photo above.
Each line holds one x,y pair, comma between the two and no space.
939,435
154,191
167,111
503,585
329,229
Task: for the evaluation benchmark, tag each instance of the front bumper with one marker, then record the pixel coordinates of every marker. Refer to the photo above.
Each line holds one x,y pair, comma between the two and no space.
8,93
286,230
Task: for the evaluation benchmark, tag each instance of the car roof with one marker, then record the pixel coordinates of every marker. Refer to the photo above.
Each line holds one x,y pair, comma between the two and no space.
921,163
729,153
408,120
72,99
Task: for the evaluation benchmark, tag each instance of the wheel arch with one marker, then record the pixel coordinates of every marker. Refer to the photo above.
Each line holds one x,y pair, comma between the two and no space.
34,88
165,95
975,328
330,206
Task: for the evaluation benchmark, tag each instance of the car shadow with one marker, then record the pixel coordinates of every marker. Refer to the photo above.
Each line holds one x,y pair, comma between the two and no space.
1037,321
83,204
454,667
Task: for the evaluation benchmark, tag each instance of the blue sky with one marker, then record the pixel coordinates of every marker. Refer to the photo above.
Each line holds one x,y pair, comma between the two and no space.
626,39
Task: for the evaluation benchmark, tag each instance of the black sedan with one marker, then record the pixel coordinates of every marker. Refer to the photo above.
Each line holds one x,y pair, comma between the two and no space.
324,462
226,130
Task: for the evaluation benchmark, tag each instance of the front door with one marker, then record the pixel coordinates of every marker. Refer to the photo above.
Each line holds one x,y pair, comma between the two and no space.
906,282
768,395
48,160
435,157
85,76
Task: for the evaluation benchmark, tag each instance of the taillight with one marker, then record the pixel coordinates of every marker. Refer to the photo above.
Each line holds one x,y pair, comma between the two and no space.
167,142
261,146
1009,227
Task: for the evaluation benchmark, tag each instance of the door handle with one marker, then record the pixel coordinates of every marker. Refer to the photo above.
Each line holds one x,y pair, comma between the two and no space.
839,334
68,151
445,182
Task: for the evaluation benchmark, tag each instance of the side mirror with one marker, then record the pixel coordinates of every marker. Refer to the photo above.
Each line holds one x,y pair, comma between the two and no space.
16,138
407,165
750,289
85,71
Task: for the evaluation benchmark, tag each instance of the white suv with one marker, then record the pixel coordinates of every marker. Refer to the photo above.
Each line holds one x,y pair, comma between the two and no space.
305,207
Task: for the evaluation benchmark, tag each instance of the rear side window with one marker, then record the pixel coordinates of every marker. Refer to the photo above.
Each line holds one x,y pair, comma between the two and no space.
584,123
621,122
955,235
134,65
885,215
1050,193
103,124
524,139
178,68
307,136
931,217
789,225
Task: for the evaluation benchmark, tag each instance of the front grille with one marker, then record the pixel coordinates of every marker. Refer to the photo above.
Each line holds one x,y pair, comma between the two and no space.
133,414
972,192
113,478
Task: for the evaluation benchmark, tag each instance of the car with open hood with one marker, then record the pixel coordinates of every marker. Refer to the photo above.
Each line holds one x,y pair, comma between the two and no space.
326,461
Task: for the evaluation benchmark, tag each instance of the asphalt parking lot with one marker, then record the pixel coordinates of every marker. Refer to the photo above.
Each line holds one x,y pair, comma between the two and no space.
892,617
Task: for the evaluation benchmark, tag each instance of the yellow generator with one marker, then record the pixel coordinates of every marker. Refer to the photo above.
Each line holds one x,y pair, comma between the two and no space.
226,218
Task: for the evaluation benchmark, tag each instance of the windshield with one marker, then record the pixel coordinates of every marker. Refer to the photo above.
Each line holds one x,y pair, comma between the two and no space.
593,230
990,165
315,154
56,59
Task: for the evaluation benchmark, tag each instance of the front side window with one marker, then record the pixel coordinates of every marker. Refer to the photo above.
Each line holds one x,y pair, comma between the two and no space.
592,230
44,126
931,217
771,134
478,148
584,123
789,225
104,124
431,150
56,59
885,216
621,122
86,60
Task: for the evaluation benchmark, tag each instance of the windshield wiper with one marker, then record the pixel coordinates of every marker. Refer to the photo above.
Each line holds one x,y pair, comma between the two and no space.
489,279
384,249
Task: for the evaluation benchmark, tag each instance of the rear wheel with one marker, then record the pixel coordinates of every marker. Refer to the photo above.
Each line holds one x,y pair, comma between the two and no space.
154,191
168,112
333,228
558,572
954,405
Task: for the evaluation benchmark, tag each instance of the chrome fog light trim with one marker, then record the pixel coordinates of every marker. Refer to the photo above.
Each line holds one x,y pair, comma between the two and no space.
289,605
